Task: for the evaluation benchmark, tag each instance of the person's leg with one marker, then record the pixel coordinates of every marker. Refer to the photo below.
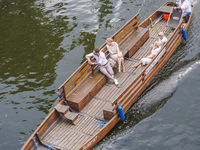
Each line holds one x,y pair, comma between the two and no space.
123,67
104,70
110,73
109,70
135,66
119,64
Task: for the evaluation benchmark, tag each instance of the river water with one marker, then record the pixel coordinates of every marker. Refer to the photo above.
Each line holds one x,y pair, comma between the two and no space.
43,42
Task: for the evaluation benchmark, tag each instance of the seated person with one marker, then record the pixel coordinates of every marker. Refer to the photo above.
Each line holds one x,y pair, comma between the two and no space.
102,63
185,5
115,53
148,59
161,39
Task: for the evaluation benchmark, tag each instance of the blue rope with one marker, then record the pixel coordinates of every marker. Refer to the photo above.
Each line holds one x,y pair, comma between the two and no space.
101,123
54,142
36,144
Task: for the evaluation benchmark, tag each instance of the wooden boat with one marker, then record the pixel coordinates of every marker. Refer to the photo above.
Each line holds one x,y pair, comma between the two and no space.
87,109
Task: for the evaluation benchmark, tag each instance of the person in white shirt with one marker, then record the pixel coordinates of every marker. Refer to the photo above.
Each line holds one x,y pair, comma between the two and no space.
161,39
148,59
102,63
115,53
185,5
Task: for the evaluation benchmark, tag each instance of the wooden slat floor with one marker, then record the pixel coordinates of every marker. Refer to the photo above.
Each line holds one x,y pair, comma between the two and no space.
73,136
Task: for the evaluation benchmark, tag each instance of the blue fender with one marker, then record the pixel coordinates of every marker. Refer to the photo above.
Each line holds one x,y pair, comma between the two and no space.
121,112
184,34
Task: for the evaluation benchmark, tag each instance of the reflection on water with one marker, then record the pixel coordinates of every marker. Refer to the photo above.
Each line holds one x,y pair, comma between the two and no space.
30,47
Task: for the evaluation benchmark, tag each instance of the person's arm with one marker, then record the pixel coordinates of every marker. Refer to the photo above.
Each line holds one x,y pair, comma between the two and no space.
151,56
118,51
177,7
164,41
88,59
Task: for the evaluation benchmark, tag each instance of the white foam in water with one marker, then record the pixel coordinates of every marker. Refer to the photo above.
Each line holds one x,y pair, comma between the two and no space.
165,88
119,3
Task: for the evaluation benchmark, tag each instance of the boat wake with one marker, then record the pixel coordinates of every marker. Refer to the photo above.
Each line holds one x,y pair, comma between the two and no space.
157,97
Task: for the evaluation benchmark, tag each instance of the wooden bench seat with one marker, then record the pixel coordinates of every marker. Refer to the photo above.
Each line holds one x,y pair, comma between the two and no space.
134,41
63,109
84,92
165,9
71,116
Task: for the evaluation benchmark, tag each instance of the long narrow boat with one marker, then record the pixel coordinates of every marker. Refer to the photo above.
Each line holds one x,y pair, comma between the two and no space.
87,109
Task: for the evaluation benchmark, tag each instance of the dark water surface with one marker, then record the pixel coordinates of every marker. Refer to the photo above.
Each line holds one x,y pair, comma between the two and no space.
43,41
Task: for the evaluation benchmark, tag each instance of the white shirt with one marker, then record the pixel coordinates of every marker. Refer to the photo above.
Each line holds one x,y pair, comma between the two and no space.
113,49
163,40
155,51
186,5
101,59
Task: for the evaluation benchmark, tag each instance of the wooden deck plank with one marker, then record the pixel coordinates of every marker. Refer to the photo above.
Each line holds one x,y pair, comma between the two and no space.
114,96
79,126
75,143
92,110
81,142
102,91
100,109
48,138
48,135
55,135
66,138
92,128
110,93
63,136
97,109
128,65
88,106
95,106
88,125
137,54
105,92
73,139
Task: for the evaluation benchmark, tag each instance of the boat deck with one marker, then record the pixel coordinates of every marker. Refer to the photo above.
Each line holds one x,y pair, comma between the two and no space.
90,117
